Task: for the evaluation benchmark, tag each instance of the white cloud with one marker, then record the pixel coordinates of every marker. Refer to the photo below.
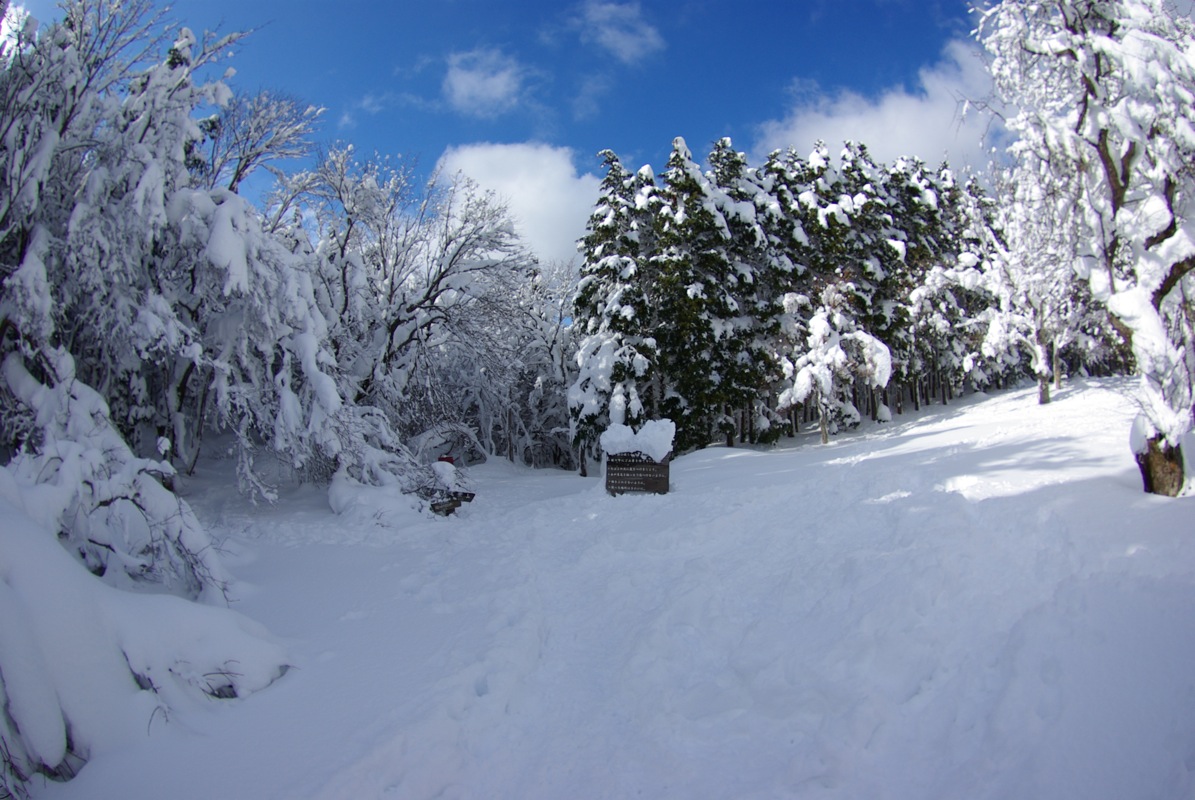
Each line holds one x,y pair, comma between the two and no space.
483,82
924,122
370,104
548,199
620,29
587,100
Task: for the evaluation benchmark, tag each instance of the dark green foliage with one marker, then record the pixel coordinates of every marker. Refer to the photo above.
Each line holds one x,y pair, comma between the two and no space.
616,309
697,290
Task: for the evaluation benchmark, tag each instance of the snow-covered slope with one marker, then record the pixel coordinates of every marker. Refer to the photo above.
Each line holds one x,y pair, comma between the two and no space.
977,602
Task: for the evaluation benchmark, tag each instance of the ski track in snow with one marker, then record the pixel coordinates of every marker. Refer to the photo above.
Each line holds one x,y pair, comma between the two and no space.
978,603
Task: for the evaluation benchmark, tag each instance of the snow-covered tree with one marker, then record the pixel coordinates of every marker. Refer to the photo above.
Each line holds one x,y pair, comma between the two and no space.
406,273
616,310
678,302
508,365
94,227
869,267
176,303
250,133
833,356
760,272
1030,274
948,319
707,350
687,303
922,209
842,239
1103,91
949,304
93,158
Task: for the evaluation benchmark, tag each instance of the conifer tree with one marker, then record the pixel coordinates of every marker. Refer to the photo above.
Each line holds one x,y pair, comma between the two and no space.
701,344
740,192
617,308
949,305
922,238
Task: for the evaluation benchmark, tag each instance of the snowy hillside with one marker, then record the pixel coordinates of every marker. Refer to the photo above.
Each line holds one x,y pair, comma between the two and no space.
976,602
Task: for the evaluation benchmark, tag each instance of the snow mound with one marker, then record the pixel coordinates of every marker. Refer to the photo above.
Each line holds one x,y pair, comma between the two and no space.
654,439
86,667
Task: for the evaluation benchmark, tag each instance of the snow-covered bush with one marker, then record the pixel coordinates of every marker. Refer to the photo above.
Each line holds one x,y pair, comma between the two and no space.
107,506
83,664
85,667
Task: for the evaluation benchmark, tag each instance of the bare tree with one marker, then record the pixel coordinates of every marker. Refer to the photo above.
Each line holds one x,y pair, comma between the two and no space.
251,132
1103,91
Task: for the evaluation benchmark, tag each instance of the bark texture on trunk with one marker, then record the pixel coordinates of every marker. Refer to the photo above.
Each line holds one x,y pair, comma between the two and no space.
1161,468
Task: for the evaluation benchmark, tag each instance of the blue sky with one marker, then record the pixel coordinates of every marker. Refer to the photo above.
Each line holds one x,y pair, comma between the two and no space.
522,96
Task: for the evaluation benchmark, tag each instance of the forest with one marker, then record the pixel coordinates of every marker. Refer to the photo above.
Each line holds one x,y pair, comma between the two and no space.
352,322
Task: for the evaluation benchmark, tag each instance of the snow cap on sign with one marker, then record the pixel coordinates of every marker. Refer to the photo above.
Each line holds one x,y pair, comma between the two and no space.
654,439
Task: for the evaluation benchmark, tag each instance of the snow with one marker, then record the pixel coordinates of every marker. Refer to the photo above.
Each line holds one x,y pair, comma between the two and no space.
976,601
1140,434
654,439
73,648
325,387
226,249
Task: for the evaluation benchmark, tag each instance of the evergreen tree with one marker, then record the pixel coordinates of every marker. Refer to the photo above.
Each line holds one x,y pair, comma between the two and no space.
704,349
758,270
617,309
950,306
919,239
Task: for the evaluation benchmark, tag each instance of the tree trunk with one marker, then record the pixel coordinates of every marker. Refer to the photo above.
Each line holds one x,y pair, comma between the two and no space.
1161,468
1043,390
1057,368
510,436
823,421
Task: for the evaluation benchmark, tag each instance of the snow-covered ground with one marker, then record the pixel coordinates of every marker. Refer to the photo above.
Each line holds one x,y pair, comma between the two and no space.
977,601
